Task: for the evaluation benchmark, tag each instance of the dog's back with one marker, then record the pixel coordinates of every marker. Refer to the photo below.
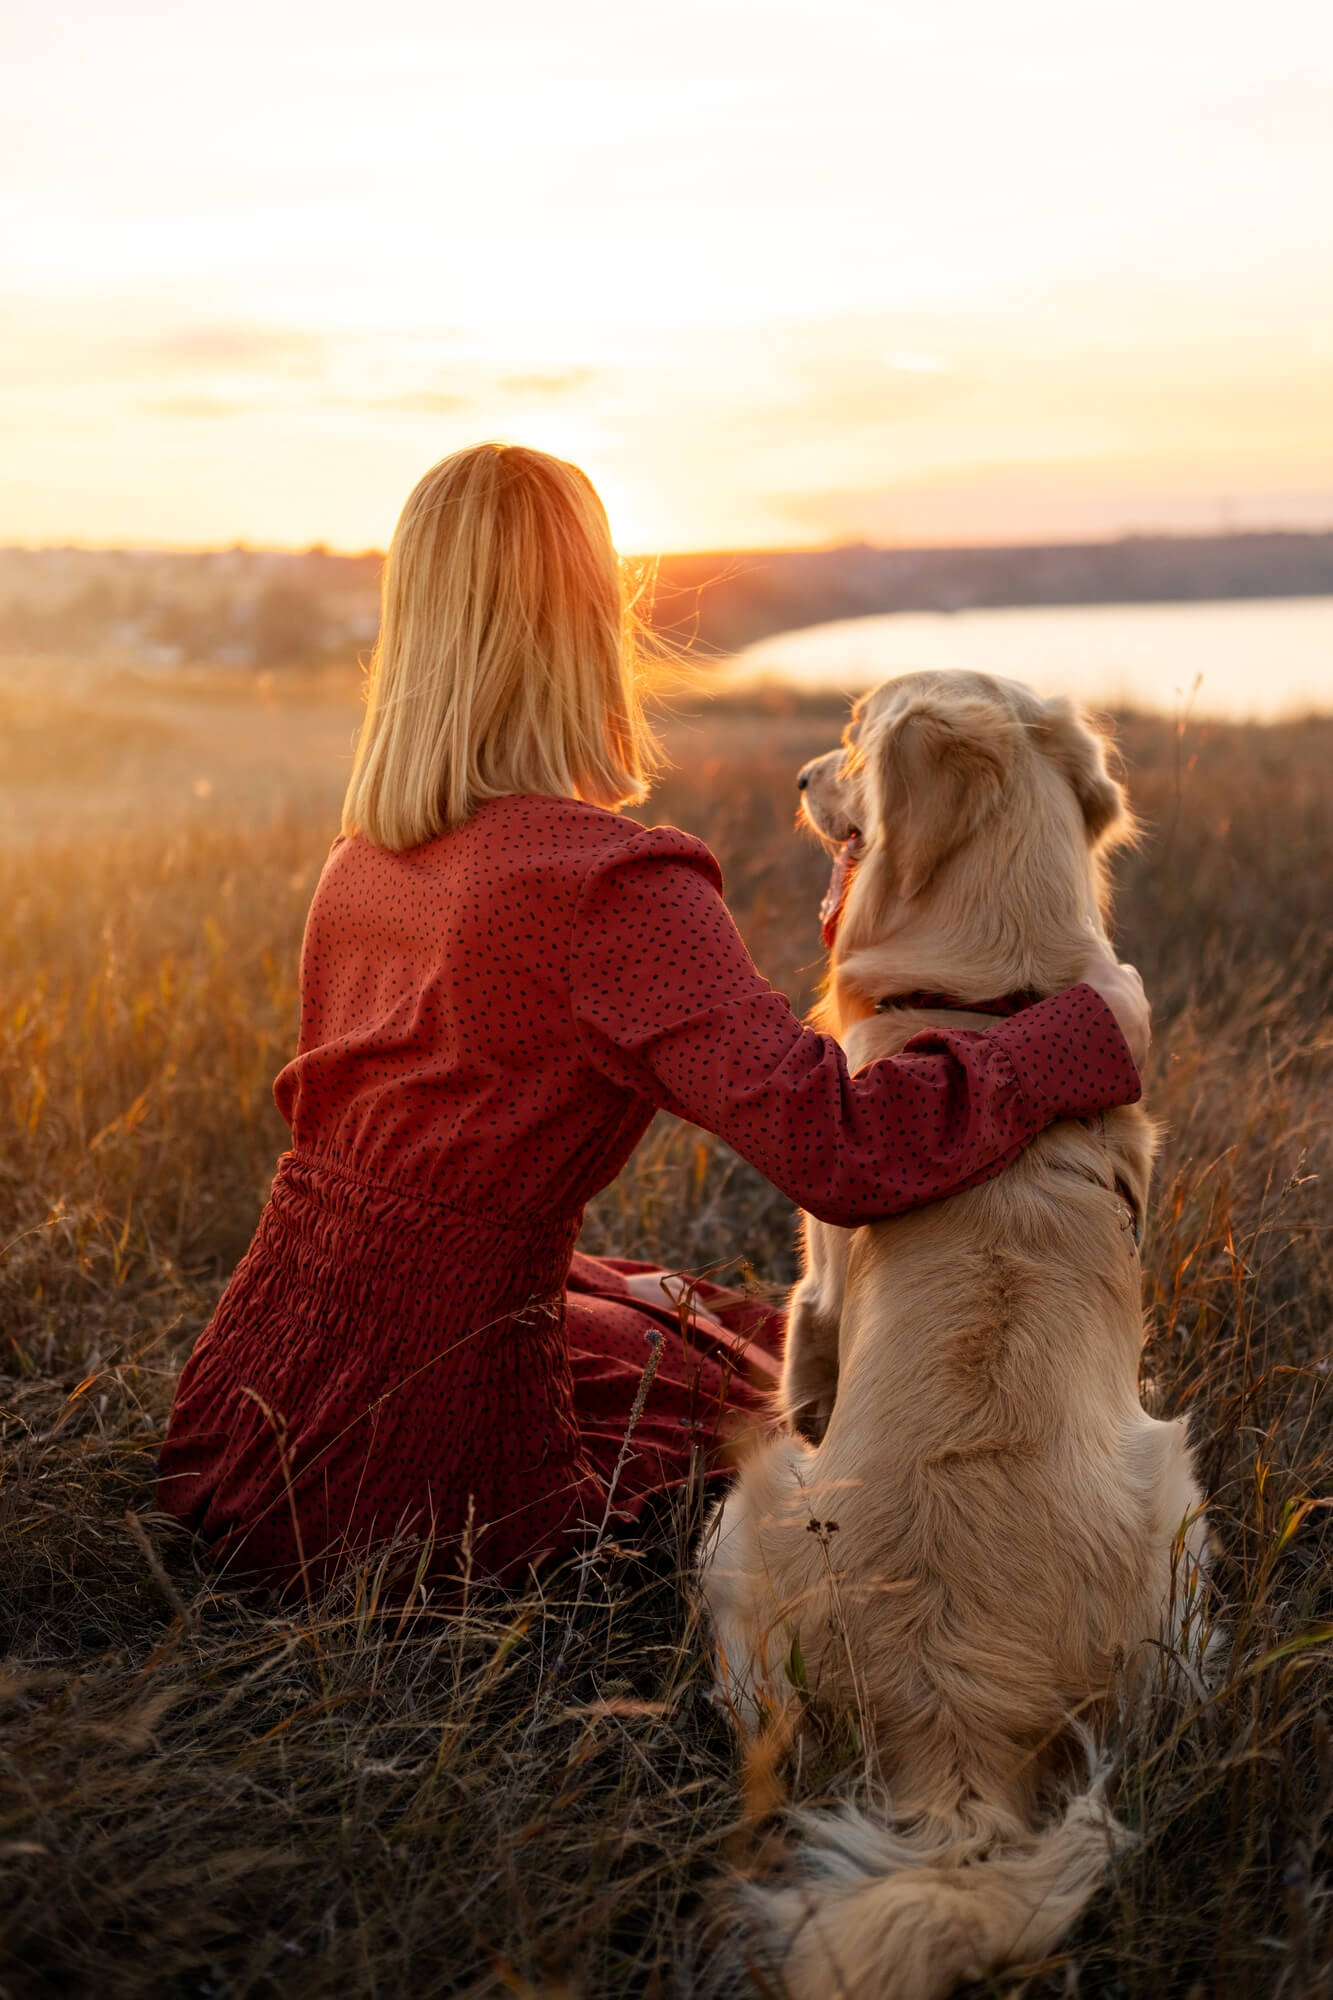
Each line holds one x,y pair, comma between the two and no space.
967,1563
988,1502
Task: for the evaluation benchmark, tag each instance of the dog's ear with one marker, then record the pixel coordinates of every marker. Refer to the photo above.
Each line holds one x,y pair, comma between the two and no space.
942,766
1079,754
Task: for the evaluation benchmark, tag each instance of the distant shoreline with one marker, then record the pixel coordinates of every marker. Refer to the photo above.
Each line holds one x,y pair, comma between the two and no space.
266,607
726,601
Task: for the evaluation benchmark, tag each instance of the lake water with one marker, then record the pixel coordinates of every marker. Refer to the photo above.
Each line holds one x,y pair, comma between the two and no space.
1254,659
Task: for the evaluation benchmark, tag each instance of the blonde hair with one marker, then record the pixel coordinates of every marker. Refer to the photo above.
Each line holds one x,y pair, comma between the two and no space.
510,655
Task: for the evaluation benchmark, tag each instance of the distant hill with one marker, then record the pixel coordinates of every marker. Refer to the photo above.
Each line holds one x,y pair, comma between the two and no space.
727,600
269,608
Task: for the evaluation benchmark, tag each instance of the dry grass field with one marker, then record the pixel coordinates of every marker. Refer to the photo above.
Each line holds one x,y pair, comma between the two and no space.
207,1796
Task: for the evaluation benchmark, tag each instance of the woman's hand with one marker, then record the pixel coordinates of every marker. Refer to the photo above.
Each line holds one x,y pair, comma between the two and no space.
1122,990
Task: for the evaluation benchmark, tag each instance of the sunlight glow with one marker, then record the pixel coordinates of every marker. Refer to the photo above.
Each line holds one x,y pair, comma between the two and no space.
946,273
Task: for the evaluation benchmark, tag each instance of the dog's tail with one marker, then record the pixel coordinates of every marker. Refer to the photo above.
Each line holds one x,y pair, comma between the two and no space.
879,1916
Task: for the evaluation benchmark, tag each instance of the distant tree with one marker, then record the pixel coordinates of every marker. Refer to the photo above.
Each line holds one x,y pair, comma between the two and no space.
198,628
288,625
87,615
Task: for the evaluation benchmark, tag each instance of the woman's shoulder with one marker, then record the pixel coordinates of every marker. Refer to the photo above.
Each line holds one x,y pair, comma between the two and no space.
528,832
648,867
568,848
584,833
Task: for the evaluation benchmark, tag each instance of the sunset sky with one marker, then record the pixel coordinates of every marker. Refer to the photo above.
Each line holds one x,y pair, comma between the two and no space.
774,273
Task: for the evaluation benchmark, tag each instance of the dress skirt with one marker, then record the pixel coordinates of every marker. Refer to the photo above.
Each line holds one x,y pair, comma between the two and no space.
386,1370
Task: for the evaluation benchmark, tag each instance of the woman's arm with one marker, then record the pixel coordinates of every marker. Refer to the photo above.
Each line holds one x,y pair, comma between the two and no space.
671,1007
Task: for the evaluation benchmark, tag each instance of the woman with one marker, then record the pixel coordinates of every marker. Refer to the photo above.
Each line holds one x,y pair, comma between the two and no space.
502,979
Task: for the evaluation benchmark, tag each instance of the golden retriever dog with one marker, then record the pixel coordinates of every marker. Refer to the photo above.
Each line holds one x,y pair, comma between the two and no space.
975,1538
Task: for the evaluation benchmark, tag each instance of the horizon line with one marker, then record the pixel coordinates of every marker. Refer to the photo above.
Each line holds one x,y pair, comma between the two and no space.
827,547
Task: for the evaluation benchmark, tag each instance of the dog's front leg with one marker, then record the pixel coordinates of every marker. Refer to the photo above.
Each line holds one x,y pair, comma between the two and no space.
810,1361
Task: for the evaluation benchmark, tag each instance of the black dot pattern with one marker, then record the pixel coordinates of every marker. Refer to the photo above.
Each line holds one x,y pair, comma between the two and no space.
411,1345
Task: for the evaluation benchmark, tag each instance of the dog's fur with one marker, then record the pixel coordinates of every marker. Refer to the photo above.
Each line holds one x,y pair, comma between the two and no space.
981,1533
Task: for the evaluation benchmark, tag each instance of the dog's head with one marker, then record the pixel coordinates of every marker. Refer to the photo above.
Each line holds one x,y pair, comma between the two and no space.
956,793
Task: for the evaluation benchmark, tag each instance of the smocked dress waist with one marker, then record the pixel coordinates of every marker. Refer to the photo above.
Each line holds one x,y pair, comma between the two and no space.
340,1247
382,1364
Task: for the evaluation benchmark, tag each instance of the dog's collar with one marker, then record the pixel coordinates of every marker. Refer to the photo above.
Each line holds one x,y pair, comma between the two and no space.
949,1003
1133,1214
1117,1185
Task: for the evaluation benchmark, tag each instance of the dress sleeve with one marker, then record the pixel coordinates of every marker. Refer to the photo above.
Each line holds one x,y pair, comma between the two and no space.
671,1007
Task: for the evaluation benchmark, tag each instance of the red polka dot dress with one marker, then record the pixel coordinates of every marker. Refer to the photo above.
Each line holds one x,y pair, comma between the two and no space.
411,1347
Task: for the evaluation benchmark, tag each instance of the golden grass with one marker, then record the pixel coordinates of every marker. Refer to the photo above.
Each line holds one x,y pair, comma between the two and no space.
91,740
202,1795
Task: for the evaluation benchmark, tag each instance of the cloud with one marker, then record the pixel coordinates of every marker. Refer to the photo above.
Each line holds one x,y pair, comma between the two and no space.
449,402
561,384
1055,500
194,407
823,399
919,364
417,402
223,349
52,352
